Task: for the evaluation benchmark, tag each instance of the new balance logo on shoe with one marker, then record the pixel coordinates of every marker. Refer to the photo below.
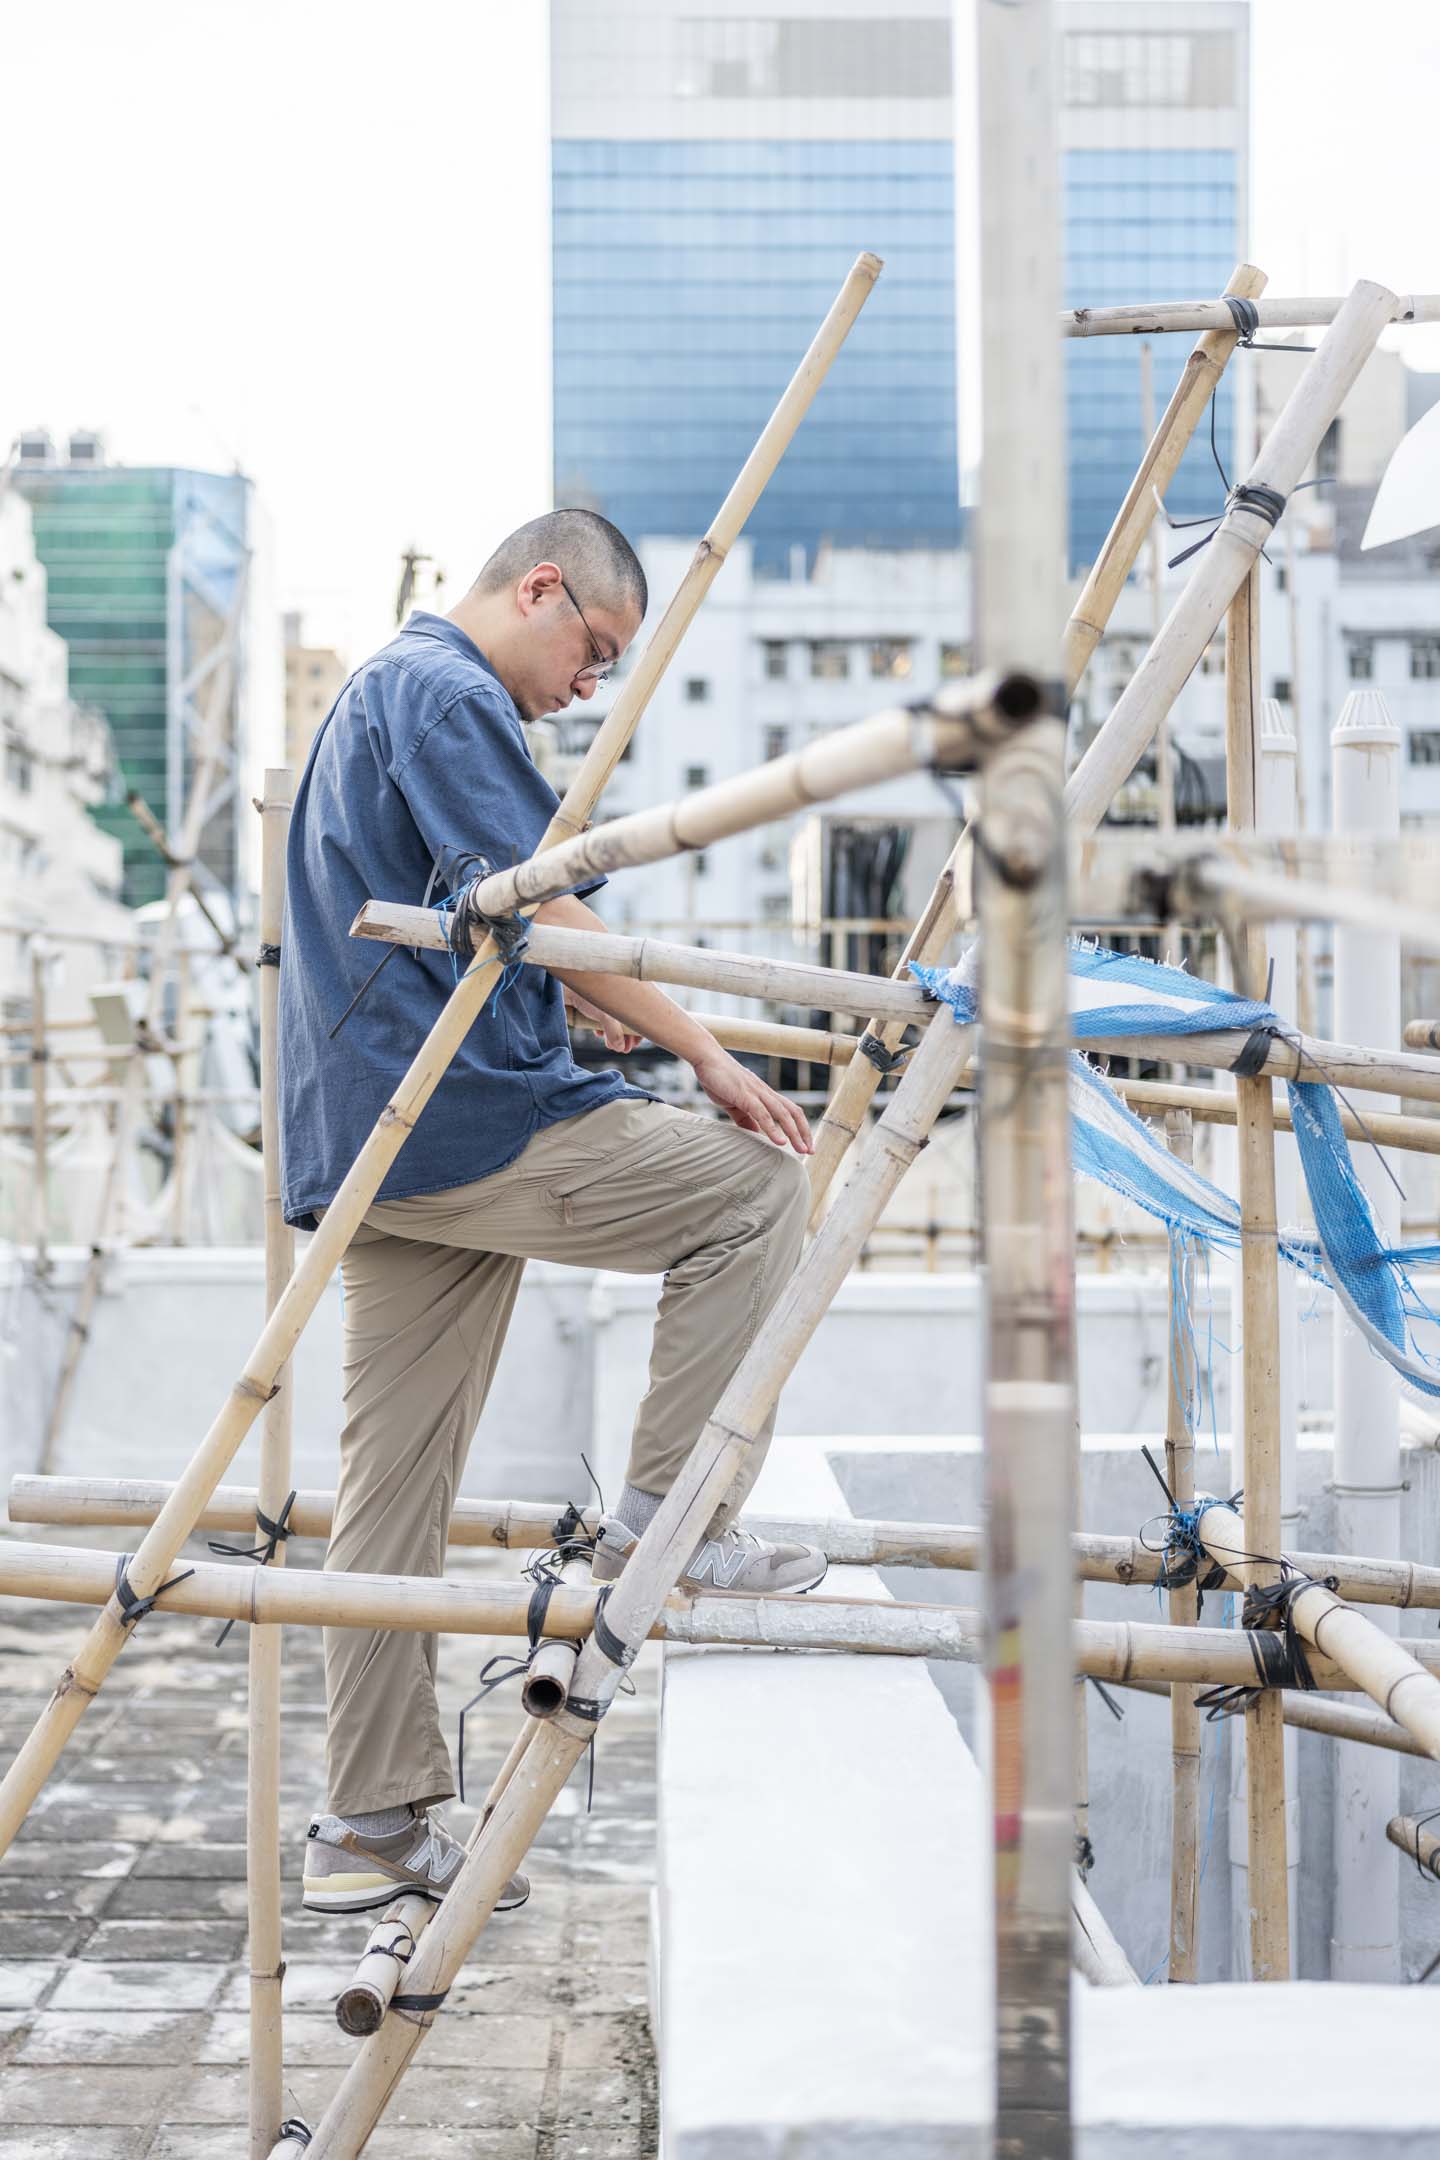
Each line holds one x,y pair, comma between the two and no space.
435,1860
720,1562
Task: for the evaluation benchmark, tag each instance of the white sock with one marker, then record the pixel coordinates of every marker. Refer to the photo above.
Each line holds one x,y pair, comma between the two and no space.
383,1823
636,1509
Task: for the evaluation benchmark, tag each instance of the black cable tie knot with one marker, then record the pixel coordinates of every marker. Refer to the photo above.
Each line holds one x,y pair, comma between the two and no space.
607,1642
295,2130
1279,1654
885,1061
1246,318
1254,1053
133,1609
275,1535
268,956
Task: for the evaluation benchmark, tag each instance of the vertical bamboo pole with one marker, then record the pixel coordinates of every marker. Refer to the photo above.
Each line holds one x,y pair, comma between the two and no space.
1260,1297
262,1817
39,1112
82,1679
1183,1609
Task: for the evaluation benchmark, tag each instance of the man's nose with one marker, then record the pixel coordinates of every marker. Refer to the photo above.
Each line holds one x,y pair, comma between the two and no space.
586,687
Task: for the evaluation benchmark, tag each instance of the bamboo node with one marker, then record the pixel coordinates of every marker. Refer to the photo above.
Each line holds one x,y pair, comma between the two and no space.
254,1391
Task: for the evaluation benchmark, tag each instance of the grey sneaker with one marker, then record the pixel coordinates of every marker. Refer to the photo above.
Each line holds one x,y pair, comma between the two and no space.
736,1560
345,1872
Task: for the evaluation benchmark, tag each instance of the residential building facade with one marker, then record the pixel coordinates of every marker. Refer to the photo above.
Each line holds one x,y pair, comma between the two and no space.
314,677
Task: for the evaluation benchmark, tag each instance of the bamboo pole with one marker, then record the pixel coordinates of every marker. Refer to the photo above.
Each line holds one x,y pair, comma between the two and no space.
262,1808
1422,1035
1107,1649
1218,1106
1155,318
82,1679
1382,1665
39,1112
1097,1952
1314,1713
1348,1065
1260,1295
1412,1837
552,1666
1223,565
1158,467
766,1038
1183,1602
519,1525
954,730
362,2004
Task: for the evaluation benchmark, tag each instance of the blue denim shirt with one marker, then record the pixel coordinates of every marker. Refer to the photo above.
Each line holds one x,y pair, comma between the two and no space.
422,758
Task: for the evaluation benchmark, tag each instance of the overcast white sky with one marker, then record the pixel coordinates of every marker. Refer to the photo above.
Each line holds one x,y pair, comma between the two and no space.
313,238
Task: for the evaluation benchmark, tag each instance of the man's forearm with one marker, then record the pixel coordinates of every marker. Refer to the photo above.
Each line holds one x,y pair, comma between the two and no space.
640,1006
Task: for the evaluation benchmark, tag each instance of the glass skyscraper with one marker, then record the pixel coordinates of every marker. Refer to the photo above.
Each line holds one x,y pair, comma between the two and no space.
714,176
1155,121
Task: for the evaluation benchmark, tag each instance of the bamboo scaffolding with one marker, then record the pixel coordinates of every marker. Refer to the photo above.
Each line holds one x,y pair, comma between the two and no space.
82,1679
1260,1296
635,1601
39,1112
1184,1602
1136,516
1382,1665
1225,562
1097,1953
1296,1057
552,1666
522,1525
1422,1035
1414,1838
262,1800
362,2003
954,730
1315,1714
1155,318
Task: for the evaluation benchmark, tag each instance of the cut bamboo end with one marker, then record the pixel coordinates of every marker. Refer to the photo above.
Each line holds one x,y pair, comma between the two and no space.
295,2139
1422,1035
361,2005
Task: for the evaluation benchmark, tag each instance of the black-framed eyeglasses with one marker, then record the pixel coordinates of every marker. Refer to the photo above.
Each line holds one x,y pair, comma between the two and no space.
602,667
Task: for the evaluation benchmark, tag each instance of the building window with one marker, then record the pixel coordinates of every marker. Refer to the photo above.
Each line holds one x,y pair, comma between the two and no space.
1360,658
890,657
1424,659
829,659
1327,457
775,908
776,655
776,742
1280,689
1425,746
956,660
697,776
697,690
19,768
1194,69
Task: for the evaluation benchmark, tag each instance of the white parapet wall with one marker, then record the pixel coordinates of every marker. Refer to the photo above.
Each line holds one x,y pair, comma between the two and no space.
821,1965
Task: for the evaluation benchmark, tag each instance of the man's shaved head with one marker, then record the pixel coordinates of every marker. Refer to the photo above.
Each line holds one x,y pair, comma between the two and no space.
594,556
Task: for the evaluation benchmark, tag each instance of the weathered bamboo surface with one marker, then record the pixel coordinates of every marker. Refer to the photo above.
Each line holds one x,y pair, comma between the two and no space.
1227,559
1108,1649
131,1503
1154,318
82,1679
1317,1714
1413,1837
1157,468
1183,1600
1422,1035
1217,1106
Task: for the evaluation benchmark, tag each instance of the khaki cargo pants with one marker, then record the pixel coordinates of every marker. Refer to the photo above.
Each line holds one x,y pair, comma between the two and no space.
430,1284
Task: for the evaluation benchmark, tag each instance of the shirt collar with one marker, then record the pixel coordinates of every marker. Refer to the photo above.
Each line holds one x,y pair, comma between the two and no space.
440,627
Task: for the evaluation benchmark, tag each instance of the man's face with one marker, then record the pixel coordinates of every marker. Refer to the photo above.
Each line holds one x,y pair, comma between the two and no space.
559,647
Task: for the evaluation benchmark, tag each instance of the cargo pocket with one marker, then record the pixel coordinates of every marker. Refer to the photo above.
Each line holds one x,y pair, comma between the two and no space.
654,1146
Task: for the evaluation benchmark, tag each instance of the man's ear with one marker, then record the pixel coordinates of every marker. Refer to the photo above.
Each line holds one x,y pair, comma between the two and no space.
536,586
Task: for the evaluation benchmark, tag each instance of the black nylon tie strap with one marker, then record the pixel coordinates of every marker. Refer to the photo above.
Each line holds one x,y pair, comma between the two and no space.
1275,1647
885,1061
607,1642
268,956
420,2003
1266,502
1246,318
297,2131
274,1534
133,1609
1255,1051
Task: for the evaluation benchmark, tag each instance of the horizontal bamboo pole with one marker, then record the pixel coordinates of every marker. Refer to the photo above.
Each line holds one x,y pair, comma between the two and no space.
1228,558
1110,1650
1413,1837
763,1038
1317,1714
1422,1035
1380,1664
1155,318
1216,1106
132,1503
953,731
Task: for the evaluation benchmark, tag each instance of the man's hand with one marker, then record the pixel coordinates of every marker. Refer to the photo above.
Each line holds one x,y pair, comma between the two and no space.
616,1035
753,1106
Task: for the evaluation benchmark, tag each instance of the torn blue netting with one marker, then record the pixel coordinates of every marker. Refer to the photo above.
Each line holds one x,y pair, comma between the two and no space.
1110,1143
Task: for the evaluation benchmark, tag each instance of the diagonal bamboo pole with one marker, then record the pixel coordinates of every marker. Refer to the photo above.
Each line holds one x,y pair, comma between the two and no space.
635,1601
1269,1880
846,1110
262,1800
82,1679
1226,561
1184,1603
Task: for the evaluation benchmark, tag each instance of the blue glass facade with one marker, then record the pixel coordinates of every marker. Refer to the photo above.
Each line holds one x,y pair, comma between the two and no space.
1153,225
689,278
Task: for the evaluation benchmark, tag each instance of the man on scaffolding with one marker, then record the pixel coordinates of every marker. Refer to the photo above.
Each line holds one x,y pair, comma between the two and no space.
419,780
